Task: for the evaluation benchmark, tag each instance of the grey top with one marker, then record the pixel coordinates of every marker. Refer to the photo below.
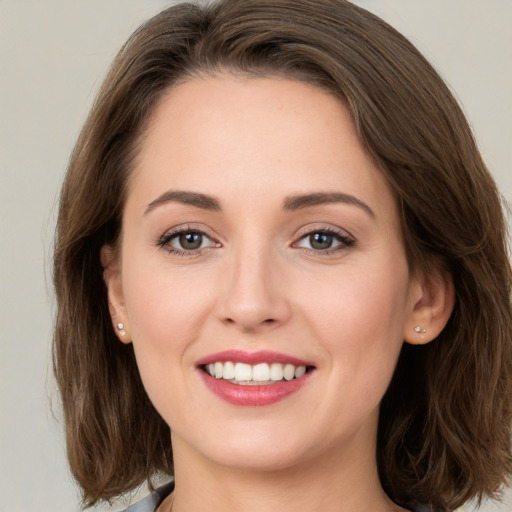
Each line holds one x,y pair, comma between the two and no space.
154,500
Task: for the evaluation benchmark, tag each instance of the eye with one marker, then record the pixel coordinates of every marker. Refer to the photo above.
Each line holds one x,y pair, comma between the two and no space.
321,241
186,241
189,240
325,241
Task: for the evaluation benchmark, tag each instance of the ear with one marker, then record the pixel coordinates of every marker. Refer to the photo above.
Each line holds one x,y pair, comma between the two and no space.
116,304
432,301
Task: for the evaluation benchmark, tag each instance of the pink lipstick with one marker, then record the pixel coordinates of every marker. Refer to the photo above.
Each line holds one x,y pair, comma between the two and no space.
253,378
261,356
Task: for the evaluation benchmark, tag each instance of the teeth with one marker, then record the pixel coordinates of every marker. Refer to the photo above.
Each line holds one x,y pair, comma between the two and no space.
300,371
219,370
289,371
276,371
250,374
228,371
242,371
261,372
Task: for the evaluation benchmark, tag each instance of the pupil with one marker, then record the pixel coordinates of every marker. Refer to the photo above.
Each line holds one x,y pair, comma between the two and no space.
320,241
191,241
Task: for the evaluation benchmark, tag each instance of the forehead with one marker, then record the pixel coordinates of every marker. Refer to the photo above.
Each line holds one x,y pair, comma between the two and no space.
257,136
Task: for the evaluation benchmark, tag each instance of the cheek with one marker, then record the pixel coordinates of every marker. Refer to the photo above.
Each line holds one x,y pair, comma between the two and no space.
363,298
166,311
165,316
359,318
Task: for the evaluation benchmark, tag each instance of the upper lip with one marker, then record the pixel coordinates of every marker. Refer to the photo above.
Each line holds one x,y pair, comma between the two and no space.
252,358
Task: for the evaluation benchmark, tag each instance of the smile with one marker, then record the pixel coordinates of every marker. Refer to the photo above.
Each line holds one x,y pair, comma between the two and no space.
253,379
254,375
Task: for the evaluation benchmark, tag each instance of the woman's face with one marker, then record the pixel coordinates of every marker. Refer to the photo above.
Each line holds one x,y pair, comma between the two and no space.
257,231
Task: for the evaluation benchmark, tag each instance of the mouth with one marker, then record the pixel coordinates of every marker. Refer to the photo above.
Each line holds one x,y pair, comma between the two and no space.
253,379
259,374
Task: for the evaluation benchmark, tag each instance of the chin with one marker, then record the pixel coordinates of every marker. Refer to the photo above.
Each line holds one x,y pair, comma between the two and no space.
256,460
246,449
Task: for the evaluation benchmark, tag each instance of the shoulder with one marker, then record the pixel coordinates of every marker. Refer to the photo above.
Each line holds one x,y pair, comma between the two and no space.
151,502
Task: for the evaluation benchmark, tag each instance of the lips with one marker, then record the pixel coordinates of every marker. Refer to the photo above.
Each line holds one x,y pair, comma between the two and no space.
262,356
253,378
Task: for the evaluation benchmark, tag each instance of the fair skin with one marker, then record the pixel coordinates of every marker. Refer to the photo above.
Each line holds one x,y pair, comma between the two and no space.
287,241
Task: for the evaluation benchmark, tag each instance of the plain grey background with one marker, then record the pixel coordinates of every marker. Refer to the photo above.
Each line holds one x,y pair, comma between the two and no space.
53,56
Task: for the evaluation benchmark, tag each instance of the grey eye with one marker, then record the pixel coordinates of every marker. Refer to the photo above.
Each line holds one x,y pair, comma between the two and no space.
324,241
320,241
190,240
186,242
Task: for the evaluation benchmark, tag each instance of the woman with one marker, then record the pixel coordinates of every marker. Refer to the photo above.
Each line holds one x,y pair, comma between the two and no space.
267,200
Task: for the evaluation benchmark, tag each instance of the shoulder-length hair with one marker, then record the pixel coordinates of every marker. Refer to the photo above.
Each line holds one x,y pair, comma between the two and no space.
444,431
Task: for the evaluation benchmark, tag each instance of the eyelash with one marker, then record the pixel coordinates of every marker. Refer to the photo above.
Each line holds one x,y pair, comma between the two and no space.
345,240
165,240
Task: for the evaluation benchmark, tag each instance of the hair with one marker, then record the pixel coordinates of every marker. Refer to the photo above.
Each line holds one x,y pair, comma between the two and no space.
445,423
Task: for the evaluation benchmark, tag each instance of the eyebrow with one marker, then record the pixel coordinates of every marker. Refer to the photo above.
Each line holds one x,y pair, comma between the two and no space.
196,199
291,203
300,202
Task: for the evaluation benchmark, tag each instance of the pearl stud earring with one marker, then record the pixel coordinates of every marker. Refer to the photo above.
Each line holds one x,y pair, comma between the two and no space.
418,329
120,328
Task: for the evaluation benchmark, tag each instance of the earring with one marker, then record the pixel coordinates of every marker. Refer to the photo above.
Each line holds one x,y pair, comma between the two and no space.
418,329
120,328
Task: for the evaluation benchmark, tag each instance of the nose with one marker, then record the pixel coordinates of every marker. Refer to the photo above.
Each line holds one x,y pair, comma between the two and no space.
254,292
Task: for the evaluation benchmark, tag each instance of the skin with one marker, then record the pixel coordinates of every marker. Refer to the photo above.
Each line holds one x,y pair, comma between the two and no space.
258,284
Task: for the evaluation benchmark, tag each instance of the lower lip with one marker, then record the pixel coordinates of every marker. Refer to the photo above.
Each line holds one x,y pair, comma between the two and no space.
266,394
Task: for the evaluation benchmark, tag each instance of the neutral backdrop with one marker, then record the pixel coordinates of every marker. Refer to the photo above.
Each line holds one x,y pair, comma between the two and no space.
53,55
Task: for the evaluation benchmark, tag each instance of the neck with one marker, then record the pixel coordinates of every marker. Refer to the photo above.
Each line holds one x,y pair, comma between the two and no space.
343,480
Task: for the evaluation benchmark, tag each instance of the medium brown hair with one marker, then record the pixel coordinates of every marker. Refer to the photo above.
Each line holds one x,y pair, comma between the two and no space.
444,429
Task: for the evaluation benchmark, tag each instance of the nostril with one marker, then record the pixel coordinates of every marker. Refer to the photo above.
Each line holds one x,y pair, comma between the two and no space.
231,321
